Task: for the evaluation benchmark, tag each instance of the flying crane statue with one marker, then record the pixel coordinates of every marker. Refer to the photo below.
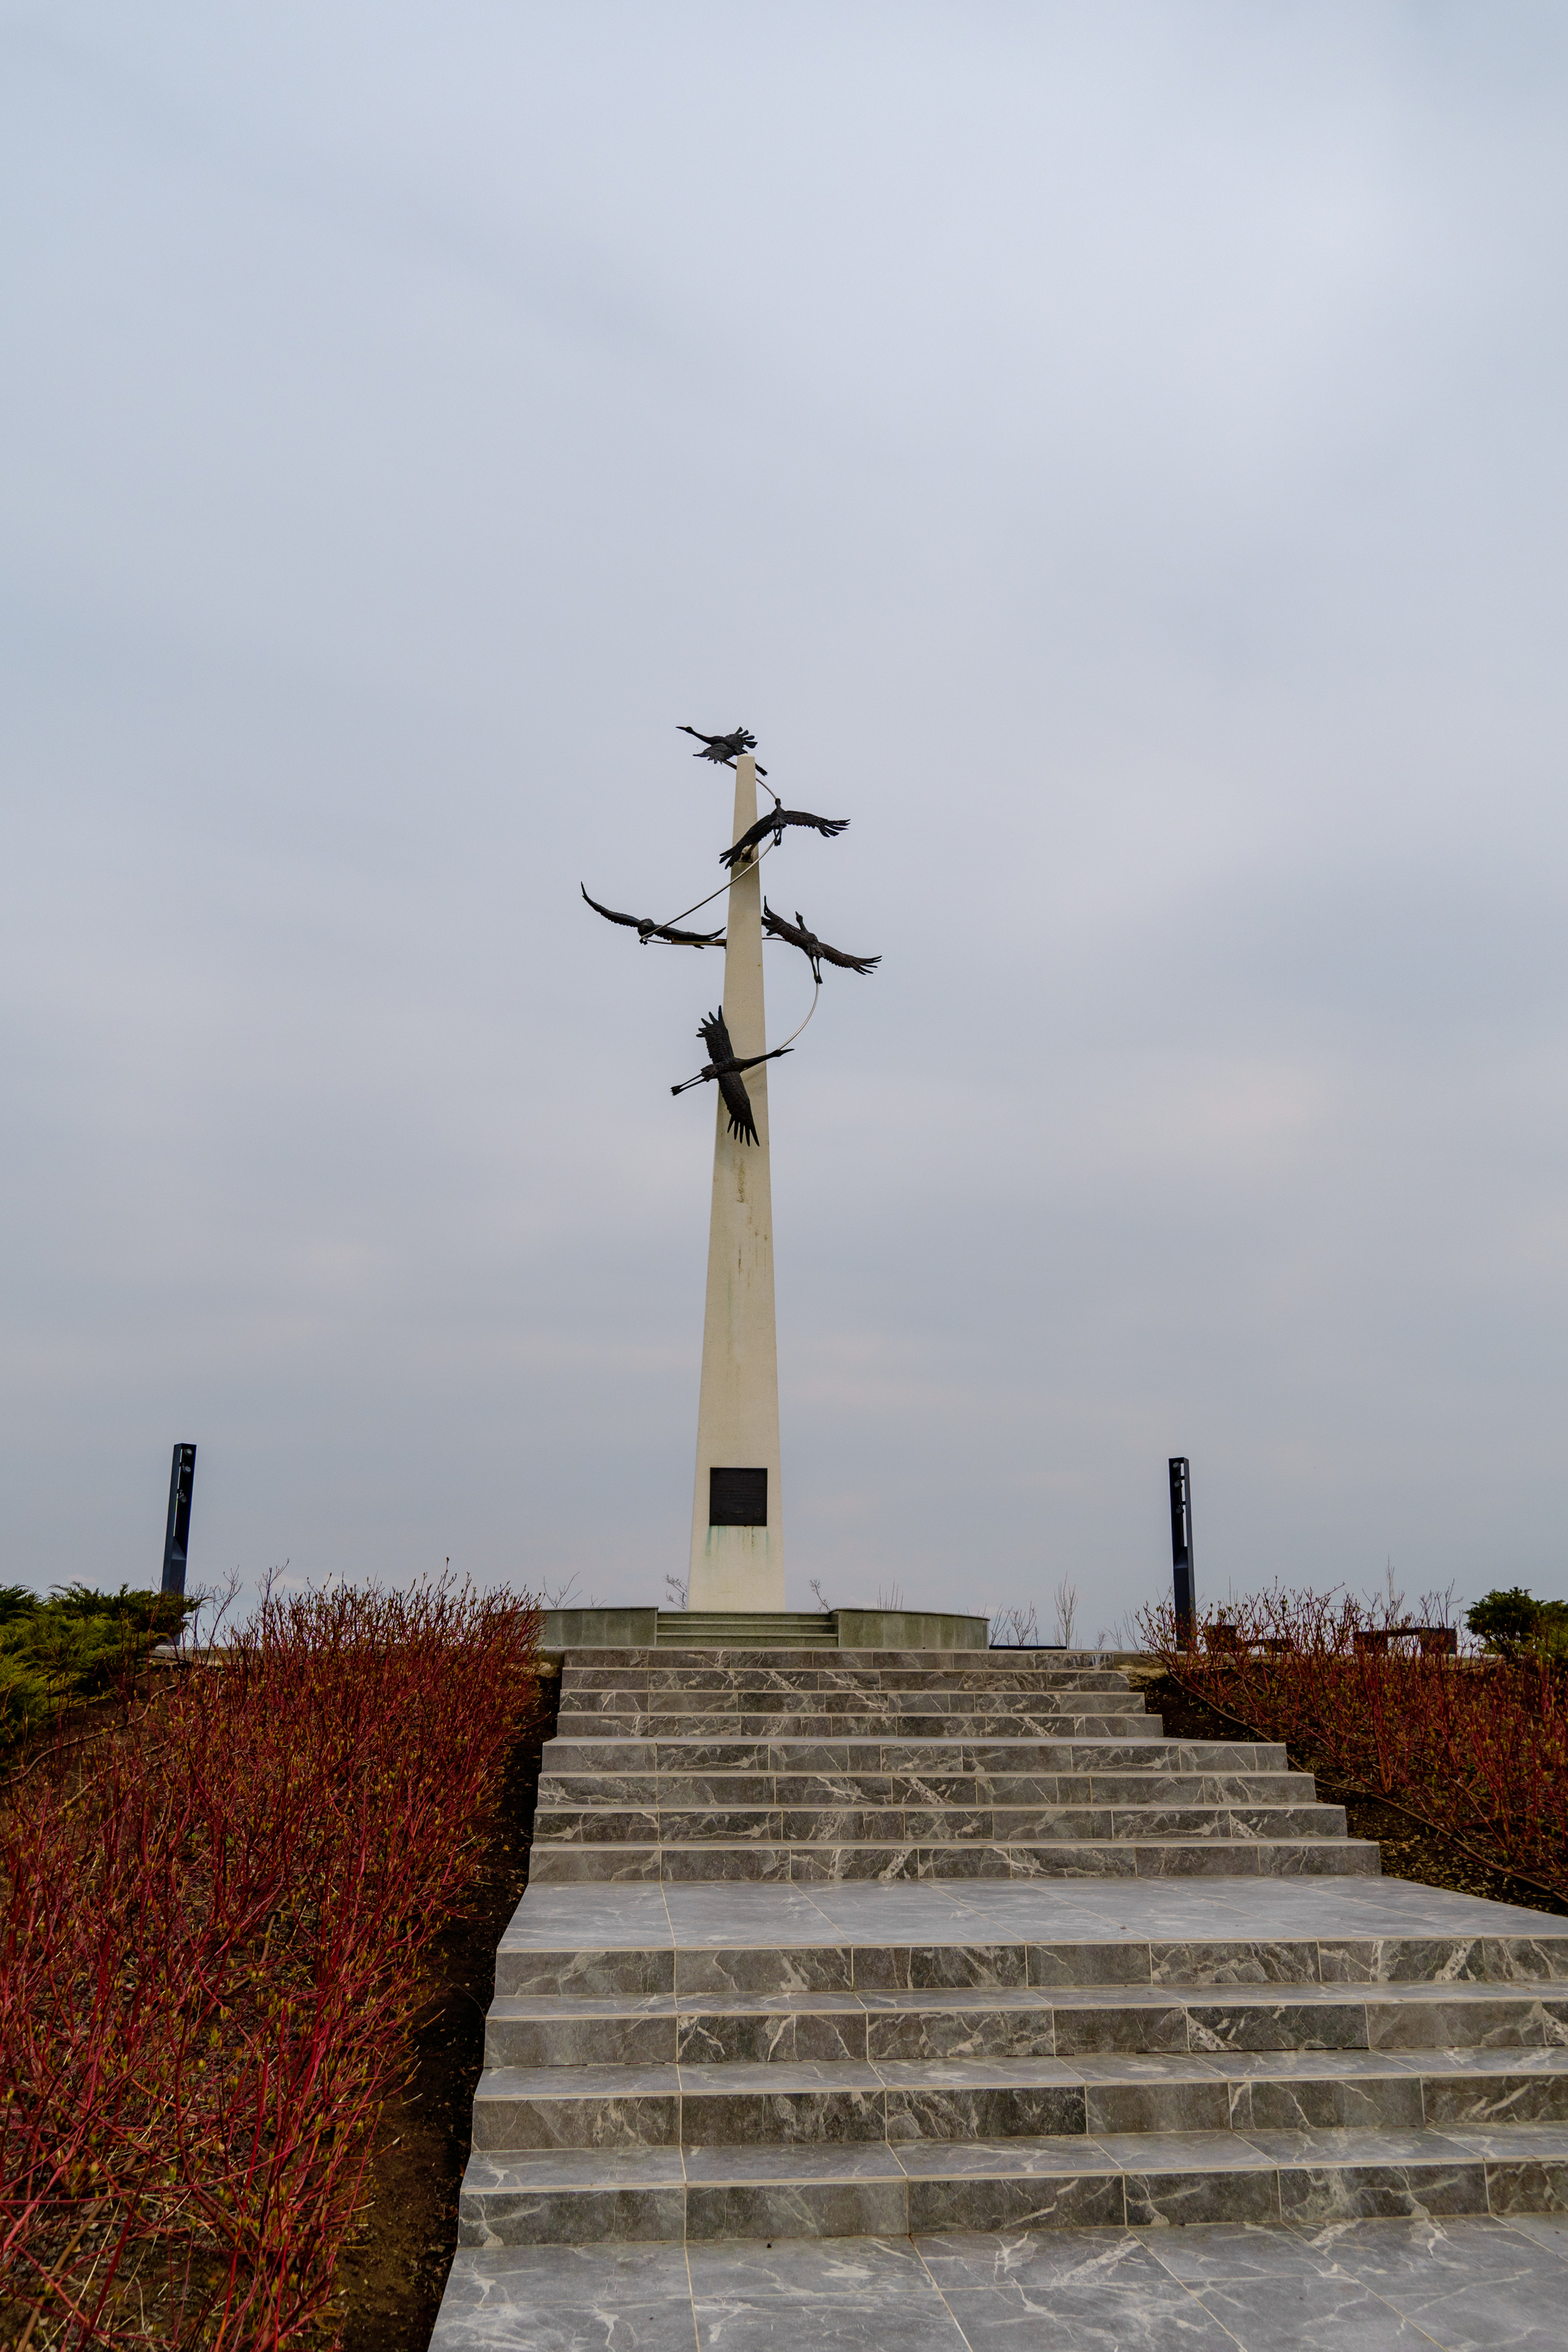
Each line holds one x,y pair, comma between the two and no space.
737,1535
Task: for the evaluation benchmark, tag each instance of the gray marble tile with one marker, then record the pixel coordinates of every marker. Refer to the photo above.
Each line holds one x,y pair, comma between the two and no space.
1428,2251
573,2167
1232,2250
914,2034
526,2276
541,2216
1495,2022
776,2324
1312,2194
1524,2314
765,2036
800,1968
978,2259
1277,2025
1527,2186
1193,2151
1195,2104
634,2041
1549,2230
1466,2100
1085,1964
1543,2142
1309,2315
721,2166
938,1967
1136,2027
1214,2193
1025,2157
1336,2146
798,2209
658,2325
782,2118
1098,2318
1388,2102
595,1973
1036,2200
983,2112
1252,1961
741,2269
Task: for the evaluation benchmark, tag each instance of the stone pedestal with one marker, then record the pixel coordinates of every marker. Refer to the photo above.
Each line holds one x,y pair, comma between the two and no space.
737,1531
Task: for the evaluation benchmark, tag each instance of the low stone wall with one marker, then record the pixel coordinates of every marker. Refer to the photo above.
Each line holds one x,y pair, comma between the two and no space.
857,1629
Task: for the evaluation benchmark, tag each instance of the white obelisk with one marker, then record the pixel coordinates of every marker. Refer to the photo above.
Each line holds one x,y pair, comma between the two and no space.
737,1532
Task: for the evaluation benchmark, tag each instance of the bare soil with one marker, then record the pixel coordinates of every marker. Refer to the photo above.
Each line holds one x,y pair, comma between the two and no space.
391,2278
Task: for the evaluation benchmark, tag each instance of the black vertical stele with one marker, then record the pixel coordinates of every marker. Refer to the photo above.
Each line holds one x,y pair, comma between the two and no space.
177,1535
1182,1547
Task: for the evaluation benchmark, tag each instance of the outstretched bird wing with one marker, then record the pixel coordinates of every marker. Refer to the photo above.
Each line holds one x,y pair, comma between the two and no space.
688,938
849,962
824,824
777,928
738,1103
609,913
716,1037
776,823
748,840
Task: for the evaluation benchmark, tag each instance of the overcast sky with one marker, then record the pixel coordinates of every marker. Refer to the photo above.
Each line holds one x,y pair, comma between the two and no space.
1114,454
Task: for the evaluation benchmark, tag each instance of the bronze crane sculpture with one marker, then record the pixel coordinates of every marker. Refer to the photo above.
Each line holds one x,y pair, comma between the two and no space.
775,823
647,929
724,1065
723,750
816,950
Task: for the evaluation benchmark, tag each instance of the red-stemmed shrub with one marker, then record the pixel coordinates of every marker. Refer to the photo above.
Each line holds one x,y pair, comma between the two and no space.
210,1958
1477,1745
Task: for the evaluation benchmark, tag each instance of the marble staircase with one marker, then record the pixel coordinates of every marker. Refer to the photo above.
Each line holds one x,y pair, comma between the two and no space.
890,1943
777,1766
746,1629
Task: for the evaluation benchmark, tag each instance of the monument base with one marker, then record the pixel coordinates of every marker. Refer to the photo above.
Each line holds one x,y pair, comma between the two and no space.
756,1629
739,1570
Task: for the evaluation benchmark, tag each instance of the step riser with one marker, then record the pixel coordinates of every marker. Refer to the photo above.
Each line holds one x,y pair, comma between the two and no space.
784,2119
689,1685
911,1825
852,1705
765,1725
1514,1969
803,1790
1525,2097
1307,2196
957,1758
1212,2030
819,1865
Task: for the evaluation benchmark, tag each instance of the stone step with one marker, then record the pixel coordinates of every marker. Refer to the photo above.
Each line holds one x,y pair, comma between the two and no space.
1142,2033
1128,1751
762,1698
1346,1939
1108,2179
804,2103
574,1723
805,1863
590,1784
606,1822
793,1630
835,1675
700,1655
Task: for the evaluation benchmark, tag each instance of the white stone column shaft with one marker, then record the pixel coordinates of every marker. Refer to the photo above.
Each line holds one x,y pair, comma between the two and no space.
738,1411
